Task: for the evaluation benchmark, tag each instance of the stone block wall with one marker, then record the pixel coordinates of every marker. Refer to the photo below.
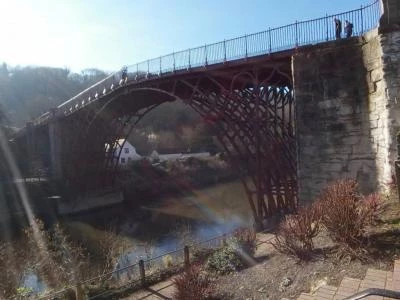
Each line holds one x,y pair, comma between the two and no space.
348,112
390,96
333,127
391,15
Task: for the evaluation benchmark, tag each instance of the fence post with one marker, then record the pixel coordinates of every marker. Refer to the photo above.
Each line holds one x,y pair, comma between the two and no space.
362,20
173,56
224,239
189,60
327,27
205,52
297,35
245,40
269,38
186,256
160,66
142,272
224,51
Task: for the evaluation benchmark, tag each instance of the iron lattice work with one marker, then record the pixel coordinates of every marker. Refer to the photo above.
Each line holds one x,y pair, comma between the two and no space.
252,108
256,127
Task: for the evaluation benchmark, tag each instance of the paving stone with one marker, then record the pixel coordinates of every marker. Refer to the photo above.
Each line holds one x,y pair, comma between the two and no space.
304,296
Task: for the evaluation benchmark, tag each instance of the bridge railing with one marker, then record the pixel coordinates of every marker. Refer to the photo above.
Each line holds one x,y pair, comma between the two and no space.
261,43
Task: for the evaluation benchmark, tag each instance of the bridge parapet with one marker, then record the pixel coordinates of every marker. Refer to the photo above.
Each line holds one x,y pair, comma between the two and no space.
263,43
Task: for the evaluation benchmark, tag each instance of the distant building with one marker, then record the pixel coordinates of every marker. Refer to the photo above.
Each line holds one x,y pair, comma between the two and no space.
128,153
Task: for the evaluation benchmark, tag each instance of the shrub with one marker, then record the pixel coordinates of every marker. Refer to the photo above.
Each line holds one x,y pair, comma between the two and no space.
192,284
347,213
296,232
225,260
168,261
245,238
372,207
53,256
13,261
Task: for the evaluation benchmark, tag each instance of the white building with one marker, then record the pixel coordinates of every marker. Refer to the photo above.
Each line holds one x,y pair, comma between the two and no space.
127,154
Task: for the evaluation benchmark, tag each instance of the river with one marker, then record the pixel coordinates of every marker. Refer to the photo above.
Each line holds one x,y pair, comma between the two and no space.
166,225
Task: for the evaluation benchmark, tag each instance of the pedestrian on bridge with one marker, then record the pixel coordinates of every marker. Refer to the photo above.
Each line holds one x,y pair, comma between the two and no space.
348,29
124,75
338,28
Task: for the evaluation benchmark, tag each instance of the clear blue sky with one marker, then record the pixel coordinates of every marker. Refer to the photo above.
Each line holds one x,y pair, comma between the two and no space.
80,34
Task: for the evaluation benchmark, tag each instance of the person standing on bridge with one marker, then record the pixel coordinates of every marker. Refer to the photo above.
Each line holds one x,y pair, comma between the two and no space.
348,29
124,75
338,28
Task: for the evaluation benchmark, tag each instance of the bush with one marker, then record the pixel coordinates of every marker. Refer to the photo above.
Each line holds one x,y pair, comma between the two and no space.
373,207
245,239
53,256
225,260
347,213
168,261
12,261
344,216
296,232
192,284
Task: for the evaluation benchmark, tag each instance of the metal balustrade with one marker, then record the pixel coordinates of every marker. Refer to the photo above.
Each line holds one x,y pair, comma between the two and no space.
375,292
262,43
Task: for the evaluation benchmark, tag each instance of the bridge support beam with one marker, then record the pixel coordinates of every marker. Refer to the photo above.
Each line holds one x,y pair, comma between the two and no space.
30,140
55,138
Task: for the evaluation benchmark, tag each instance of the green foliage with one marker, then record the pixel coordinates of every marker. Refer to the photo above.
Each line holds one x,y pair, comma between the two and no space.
225,260
23,291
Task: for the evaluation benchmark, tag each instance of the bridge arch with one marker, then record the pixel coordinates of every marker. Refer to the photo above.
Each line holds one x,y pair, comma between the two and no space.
252,109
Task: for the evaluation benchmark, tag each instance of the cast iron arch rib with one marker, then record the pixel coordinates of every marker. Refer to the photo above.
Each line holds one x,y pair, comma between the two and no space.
253,111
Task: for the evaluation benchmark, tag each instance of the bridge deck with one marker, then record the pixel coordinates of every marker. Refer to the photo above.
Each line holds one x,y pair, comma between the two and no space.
271,44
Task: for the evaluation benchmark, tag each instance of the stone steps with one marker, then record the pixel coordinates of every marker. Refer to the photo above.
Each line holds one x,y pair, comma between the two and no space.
349,286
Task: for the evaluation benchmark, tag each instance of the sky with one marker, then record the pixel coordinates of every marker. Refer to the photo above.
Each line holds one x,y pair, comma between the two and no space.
78,34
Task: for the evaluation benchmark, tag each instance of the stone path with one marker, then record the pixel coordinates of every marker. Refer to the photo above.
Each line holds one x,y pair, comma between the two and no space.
161,290
350,286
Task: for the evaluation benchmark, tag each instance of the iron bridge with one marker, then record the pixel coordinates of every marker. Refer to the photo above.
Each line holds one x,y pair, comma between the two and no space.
242,86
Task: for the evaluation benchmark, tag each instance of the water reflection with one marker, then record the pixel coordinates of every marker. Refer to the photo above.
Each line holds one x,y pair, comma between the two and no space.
31,284
199,231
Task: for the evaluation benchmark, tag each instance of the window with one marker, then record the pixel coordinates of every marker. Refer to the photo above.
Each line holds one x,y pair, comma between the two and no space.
126,150
122,160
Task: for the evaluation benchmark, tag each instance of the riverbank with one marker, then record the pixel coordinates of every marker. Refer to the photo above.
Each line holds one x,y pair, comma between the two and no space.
165,225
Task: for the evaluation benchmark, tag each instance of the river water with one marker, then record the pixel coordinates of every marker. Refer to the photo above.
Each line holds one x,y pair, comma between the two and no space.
166,225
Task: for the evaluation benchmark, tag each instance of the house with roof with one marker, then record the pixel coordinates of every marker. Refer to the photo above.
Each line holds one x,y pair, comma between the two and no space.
125,152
